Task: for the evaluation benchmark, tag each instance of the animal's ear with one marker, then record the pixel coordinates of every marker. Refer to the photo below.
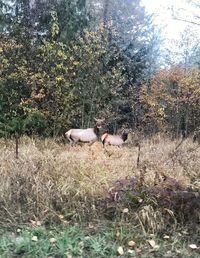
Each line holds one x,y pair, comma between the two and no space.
123,130
99,120
126,131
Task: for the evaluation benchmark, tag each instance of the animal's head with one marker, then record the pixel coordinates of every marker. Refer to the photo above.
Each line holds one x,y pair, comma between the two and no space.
99,122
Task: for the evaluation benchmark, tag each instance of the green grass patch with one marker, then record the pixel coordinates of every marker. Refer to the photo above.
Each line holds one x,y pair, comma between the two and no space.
96,241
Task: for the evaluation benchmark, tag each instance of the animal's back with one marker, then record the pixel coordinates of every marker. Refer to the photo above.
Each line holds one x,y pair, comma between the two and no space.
87,135
73,131
116,140
112,139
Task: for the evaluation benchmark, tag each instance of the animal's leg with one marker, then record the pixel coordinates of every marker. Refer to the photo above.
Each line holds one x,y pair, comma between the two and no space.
92,142
105,143
70,140
75,141
107,152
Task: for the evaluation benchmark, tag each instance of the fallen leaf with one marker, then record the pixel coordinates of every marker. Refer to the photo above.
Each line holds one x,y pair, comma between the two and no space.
90,226
193,246
152,243
117,234
166,237
34,238
125,210
120,250
131,243
61,216
38,223
52,240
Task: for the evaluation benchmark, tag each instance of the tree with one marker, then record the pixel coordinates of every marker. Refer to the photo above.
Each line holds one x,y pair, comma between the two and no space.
172,100
186,50
132,35
59,68
189,14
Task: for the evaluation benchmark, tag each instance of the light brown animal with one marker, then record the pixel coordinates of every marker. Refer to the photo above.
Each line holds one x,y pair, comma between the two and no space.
85,135
116,139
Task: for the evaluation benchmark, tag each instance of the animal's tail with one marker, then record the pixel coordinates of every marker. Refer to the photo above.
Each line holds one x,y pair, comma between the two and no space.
67,135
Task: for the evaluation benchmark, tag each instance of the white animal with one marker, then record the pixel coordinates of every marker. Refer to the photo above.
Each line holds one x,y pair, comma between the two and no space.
85,135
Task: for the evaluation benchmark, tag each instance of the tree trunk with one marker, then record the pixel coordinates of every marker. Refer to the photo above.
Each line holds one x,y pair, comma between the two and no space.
105,14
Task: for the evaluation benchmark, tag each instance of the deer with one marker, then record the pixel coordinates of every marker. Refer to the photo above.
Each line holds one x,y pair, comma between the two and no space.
89,135
116,139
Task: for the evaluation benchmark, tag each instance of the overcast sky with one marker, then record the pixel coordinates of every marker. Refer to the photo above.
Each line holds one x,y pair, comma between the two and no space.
171,28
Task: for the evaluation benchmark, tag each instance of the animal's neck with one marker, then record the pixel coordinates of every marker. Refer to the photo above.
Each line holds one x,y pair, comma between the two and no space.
96,131
124,136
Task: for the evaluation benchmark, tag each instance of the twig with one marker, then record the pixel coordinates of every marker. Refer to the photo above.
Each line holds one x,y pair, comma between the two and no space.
138,157
179,144
188,21
107,152
16,145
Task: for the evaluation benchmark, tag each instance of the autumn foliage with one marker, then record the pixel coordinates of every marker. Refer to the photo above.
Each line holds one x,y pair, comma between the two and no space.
172,100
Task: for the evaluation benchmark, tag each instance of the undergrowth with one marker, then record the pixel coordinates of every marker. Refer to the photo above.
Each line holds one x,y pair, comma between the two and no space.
54,183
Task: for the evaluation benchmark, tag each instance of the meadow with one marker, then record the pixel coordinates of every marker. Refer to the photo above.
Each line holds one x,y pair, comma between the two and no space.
94,201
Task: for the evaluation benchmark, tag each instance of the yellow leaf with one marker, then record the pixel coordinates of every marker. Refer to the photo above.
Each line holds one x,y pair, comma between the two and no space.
152,243
193,246
52,240
131,243
125,210
120,250
34,238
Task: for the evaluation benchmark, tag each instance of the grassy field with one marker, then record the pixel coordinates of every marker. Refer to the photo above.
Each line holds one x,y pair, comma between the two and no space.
94,241
93,201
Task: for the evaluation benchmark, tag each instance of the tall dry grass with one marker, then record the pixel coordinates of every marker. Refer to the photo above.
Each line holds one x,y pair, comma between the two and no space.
52,181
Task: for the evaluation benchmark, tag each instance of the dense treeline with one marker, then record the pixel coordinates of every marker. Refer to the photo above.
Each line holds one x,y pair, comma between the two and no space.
63,62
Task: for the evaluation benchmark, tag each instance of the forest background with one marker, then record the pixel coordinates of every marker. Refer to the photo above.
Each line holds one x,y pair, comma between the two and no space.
65,62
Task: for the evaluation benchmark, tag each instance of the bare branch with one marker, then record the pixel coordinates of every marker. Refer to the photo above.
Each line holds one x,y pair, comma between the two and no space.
185,20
